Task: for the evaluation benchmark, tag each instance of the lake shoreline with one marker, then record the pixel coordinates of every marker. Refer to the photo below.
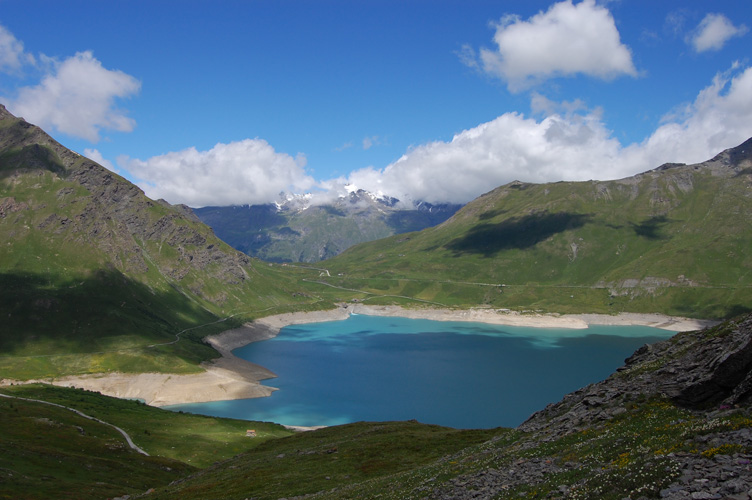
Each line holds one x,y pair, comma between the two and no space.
229,377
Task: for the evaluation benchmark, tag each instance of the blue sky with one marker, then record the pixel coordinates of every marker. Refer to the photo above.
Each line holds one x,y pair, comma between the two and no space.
234,102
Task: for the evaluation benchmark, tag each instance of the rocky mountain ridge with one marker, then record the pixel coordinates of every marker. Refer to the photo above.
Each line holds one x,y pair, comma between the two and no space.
297,230
95,207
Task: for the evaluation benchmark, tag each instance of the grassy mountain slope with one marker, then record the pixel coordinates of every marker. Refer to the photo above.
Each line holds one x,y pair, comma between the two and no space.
92,272
292,233
675,240
52,452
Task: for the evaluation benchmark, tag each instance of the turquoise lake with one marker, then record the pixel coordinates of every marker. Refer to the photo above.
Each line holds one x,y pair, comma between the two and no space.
457,374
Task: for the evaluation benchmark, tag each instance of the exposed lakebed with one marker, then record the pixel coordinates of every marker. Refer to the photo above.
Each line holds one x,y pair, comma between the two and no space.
458,374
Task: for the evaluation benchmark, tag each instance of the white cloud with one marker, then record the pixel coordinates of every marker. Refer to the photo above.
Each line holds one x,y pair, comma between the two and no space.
567,39
572,144
720,117
244,172
12,54
78,98
494,153
713,32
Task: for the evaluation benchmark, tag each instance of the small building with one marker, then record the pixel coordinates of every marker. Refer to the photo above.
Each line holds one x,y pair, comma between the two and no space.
251,433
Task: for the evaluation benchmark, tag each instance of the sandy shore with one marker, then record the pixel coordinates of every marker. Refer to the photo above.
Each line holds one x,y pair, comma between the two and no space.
229,377
512,318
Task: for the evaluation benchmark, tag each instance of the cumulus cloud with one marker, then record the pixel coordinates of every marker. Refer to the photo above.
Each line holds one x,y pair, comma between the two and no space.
713,32
569,143
561,141
77,98
479,159
12,54
566,40
720,117
244,172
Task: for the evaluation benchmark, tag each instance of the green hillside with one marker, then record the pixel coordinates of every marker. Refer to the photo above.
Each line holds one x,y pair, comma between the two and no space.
92,272
674,240
49,451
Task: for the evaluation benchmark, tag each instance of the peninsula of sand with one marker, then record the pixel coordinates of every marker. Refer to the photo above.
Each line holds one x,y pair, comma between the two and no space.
229,377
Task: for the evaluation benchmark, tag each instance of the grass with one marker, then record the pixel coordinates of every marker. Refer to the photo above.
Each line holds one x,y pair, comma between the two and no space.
632,455
92,272
89,325
566,247
49,452
635,453
72,457
196,440
327,459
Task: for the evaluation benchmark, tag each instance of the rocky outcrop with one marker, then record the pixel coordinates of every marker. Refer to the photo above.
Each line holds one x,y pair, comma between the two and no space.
697,370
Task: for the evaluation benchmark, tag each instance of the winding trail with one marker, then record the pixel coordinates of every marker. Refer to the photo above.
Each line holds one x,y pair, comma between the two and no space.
373,294
121,431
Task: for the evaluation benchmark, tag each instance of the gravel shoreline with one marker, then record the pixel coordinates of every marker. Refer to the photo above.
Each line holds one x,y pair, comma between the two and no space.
229,377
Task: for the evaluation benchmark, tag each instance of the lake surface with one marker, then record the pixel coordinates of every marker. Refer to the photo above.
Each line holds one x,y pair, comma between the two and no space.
457,374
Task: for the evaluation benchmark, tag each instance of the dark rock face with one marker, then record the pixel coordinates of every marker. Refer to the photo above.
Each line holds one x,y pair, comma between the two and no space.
697,370
716,370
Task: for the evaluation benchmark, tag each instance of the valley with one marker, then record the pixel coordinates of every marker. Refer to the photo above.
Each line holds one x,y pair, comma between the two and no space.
99,282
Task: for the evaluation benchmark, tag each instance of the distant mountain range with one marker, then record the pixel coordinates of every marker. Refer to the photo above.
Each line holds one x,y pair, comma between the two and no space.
294,230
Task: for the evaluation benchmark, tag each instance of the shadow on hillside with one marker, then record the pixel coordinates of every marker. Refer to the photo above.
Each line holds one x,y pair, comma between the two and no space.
743,172
331,210
86,314
407,221
238,220
490,214
29,158
516,233
737,310
650,228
